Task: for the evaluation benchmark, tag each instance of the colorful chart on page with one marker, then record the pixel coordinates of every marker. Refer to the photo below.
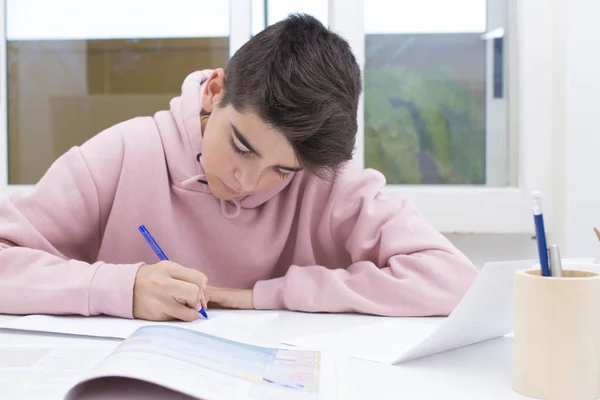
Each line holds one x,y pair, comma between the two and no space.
287,368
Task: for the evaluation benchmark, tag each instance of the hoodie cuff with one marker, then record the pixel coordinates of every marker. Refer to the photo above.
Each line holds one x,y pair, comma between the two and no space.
268,295
111,290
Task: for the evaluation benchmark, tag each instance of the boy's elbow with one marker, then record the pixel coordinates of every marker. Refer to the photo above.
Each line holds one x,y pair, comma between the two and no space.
459,278
444,280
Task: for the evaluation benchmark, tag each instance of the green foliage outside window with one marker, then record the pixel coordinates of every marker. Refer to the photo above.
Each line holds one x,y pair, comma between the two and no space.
422,125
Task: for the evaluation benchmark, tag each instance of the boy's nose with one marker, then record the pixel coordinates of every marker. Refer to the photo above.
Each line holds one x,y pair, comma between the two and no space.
248,180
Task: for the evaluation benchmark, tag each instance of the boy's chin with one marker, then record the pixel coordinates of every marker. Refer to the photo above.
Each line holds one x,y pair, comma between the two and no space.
219,190
224,196
219,193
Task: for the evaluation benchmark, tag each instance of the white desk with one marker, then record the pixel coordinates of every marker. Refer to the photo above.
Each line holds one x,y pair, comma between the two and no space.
481,371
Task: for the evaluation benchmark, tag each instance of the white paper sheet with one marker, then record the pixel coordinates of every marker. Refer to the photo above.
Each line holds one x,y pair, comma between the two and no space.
485,312
224,324
238,326
370,342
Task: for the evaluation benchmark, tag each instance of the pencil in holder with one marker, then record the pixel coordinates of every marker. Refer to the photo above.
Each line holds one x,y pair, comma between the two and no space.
557,335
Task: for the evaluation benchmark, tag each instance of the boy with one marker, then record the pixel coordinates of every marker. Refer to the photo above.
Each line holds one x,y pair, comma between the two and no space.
246,184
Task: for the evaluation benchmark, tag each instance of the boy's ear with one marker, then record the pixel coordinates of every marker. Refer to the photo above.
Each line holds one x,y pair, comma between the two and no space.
213,90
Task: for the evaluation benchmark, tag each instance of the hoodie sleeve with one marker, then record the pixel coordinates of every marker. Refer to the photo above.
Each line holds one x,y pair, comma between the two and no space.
398,264
50,237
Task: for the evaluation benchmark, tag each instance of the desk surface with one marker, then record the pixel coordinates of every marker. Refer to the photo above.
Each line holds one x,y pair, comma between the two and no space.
481,371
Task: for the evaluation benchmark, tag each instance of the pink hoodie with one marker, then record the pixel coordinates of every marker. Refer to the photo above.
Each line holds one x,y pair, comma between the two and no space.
72,245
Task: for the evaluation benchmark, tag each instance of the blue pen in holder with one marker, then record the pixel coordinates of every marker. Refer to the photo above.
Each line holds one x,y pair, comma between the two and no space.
540,233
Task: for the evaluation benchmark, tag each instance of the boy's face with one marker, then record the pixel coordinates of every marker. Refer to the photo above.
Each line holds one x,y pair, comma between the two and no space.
241,155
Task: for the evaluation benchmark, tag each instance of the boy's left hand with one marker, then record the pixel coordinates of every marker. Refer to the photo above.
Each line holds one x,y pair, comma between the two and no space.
229,298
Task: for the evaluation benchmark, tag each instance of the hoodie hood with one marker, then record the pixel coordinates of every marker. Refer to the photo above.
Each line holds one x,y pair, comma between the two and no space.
183,149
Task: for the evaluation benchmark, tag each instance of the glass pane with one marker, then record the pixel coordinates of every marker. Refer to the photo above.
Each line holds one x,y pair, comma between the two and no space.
78,67
435,92
265,12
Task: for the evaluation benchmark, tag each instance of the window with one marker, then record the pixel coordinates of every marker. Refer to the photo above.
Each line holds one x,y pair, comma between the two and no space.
75,68
267,12
427,92
456,111
502,104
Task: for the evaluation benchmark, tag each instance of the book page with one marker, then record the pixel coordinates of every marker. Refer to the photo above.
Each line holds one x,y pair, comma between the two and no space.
213,368
46,372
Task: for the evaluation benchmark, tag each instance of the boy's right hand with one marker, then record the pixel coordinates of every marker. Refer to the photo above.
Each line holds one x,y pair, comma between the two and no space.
167,290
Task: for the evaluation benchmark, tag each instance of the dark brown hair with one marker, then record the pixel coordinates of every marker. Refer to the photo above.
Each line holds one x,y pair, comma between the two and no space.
303,80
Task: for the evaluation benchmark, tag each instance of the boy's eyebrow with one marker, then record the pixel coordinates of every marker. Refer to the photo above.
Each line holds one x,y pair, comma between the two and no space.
247,144
291,169
244,141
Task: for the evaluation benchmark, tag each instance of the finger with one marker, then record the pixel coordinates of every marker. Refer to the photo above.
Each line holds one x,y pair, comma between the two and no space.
215,294
184,292
200,303
188,275
203,301
181,312
185,303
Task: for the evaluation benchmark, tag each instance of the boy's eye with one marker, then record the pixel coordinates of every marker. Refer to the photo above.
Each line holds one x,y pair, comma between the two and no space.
243,151
282,174
239,149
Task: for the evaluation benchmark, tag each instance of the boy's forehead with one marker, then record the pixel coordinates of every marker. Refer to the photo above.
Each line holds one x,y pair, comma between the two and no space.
251,124
261,135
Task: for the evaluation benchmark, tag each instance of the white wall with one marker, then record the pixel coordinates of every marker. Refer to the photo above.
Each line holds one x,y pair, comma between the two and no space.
575,137
582,126
481,248
576,133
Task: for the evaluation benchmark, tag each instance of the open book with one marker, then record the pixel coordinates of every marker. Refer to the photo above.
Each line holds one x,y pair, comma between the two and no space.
172,362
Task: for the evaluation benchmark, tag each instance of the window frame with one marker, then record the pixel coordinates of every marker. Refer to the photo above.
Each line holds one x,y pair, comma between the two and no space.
485,209
451,209
4,187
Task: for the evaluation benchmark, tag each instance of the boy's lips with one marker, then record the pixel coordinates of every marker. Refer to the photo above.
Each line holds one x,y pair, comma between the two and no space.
230,189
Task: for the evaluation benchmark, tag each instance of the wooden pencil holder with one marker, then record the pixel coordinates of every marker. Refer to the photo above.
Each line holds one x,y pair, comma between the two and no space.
557,335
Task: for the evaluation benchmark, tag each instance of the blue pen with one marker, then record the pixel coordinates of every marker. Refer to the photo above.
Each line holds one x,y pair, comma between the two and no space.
540,233
161,255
